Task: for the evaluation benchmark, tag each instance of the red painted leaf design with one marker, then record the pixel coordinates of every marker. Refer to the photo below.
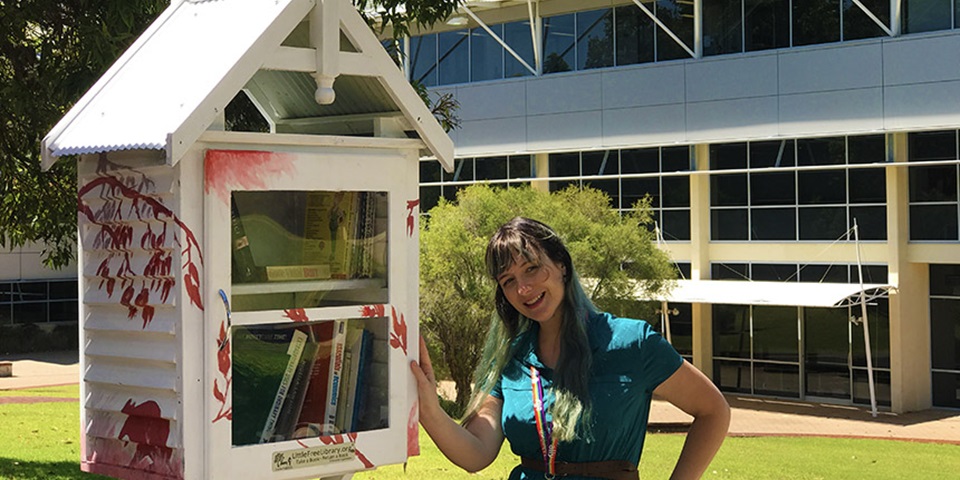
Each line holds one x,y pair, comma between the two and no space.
216,392
398,337
411,204
368,311
296,314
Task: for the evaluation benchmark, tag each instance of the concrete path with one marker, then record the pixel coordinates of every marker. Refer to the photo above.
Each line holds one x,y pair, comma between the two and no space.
750,416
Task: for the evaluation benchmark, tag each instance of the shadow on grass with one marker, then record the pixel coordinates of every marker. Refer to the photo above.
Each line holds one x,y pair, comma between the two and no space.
26,470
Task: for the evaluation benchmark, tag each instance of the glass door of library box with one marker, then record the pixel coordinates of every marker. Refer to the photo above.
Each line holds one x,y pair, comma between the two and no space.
311,292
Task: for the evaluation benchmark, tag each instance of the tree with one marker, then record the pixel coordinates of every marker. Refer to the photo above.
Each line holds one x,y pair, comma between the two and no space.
614,254
51,52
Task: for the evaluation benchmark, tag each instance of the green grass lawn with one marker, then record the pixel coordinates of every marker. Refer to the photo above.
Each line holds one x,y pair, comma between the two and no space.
41,441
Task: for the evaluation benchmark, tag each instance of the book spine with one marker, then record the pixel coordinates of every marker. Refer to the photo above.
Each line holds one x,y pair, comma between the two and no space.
345,378
287,421
279,273
336,371
243,267
313,410
356,353
295,351
359,390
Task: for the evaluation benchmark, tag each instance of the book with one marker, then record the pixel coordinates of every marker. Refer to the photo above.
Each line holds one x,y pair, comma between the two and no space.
360,350
350,378
294,351
281,273
329,227
260,359
336,372
293,404
243,269
314,404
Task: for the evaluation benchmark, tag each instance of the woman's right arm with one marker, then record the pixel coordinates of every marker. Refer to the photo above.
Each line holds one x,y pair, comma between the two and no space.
472,447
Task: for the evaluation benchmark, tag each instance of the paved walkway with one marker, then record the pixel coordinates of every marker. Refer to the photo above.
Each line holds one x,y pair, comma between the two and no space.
750,416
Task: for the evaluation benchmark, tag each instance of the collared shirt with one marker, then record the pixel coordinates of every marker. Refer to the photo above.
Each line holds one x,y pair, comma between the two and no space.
630,360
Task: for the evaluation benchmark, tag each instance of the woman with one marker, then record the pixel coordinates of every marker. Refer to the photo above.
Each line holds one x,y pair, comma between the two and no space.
568,386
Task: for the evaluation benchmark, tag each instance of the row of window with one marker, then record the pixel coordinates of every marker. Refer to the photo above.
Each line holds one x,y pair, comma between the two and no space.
800,352
435,182
945,334
935,189
636,173
780,190
38,302
627,35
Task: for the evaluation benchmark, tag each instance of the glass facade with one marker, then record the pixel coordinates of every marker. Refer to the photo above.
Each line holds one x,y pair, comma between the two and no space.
945,334
735,26
630,175
934,205
628,35
435,182
38,302
804,189
800,352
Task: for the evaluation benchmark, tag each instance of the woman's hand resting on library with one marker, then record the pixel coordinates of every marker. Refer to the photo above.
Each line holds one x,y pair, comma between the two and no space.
426,384
473,446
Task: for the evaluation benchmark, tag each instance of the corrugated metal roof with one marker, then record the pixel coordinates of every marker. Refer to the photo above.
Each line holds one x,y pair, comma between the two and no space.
167,88
290,95
164,79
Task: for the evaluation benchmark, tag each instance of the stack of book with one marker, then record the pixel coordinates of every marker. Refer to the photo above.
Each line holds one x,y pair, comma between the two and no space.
303,381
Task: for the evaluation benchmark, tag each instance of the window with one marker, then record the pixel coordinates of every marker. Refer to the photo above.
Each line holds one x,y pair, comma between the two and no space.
471,55
486,54
423,60
770,190
934,199
945,334
517,35
926,15
722,27
559,40
453,52
634,34
815,21
436,183
38,302
766,24
594,39
677,16
766,350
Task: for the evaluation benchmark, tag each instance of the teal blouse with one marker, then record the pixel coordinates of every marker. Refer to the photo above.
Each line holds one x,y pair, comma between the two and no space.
630,360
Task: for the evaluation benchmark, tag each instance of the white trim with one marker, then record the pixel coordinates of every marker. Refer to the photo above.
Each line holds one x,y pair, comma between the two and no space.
795,294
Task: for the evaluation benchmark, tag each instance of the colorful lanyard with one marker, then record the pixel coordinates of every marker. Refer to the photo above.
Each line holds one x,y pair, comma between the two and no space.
544,427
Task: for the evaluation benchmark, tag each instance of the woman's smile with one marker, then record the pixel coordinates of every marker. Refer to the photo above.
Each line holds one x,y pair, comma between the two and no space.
536,290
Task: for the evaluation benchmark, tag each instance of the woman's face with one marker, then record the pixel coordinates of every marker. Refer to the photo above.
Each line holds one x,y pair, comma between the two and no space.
535,289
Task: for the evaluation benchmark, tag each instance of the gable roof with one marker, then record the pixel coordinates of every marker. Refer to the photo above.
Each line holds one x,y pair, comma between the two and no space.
172,83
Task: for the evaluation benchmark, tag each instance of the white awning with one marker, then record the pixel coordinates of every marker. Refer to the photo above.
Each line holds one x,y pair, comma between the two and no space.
734,292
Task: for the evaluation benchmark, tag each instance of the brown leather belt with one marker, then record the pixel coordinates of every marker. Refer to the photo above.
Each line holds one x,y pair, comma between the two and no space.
609,469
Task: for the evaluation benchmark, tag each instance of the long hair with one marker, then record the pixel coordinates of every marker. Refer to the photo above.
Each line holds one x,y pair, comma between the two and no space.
535,242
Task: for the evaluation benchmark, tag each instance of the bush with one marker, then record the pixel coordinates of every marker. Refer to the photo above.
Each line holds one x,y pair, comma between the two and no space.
29,337
453,410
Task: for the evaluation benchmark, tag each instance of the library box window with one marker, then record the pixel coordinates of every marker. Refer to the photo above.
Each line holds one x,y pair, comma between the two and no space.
305,249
